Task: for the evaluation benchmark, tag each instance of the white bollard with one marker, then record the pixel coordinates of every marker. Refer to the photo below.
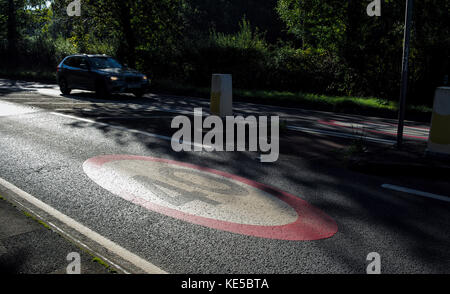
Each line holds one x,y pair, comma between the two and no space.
222,95
439,141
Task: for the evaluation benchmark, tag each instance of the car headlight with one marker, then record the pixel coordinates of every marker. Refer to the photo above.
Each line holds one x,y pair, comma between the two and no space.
144,78
114,78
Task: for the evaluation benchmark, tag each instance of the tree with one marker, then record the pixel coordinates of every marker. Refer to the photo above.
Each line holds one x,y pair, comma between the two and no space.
318,24
12,33
224,16
129,26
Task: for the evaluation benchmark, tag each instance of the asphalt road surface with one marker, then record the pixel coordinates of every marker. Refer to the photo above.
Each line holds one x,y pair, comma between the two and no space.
104,172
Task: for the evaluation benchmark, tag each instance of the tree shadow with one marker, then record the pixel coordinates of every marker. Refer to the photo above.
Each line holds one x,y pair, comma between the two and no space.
310,167
11,262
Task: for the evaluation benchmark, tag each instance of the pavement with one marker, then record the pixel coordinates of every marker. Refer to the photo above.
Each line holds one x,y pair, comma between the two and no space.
29,246
104,173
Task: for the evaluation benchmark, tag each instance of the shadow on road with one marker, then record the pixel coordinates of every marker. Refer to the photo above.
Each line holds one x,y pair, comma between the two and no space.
413,229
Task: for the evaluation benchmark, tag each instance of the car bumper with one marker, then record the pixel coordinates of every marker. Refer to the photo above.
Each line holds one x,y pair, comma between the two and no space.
124,87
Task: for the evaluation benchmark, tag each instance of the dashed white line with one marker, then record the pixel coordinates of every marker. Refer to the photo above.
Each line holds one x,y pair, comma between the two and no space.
416,192
58,103
134,117
27,98
106,243
134,131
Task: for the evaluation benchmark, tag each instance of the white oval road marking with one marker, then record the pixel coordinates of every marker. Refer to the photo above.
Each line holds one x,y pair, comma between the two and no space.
230,201
209,197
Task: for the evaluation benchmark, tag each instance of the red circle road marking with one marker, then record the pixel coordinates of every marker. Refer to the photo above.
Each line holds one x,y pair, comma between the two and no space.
311,223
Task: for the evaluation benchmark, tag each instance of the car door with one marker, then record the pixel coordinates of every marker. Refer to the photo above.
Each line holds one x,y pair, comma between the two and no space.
69,70
79,73
73,74
84,74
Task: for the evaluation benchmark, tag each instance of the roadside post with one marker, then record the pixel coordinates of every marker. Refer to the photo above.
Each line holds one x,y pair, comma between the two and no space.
439,141
405,68
221,95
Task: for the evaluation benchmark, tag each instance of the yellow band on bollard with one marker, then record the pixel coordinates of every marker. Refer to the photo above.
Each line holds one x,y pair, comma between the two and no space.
215,103
439,141
221,95
440,131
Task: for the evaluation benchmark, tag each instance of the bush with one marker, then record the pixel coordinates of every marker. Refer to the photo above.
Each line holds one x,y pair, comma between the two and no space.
301,70
36,53
43,54
255,64
63,48
244,55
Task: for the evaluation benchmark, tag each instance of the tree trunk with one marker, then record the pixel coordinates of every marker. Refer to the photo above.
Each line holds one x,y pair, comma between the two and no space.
12,34
128,46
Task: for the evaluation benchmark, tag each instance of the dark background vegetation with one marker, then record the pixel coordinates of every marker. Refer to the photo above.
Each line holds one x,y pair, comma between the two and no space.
313,46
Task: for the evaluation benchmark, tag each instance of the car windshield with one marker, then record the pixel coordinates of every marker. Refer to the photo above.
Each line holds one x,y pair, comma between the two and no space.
104,62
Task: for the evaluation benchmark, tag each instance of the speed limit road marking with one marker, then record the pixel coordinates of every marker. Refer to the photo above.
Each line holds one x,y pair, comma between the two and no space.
210,198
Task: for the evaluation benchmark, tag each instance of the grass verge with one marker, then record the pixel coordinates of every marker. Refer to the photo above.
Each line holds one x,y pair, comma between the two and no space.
357,105
94,258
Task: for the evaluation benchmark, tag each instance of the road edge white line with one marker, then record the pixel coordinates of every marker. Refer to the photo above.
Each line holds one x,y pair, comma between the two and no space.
67,235
416,192
106,243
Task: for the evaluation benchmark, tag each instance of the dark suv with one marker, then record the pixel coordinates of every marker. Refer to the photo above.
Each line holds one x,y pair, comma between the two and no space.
100,73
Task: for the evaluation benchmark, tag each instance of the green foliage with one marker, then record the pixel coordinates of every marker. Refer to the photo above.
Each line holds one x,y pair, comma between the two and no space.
244,39
316,23
244,54
325,47
370,49
225,15
63,48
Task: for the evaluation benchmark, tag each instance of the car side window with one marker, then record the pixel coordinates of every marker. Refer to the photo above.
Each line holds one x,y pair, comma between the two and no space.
73,62
83,63
76,62
68,61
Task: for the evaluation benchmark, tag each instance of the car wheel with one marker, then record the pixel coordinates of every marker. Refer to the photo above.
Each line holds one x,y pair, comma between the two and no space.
64,87
101,91
138,94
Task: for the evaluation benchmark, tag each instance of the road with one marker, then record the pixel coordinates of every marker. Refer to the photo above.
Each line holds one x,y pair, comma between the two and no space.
104,172
125,108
